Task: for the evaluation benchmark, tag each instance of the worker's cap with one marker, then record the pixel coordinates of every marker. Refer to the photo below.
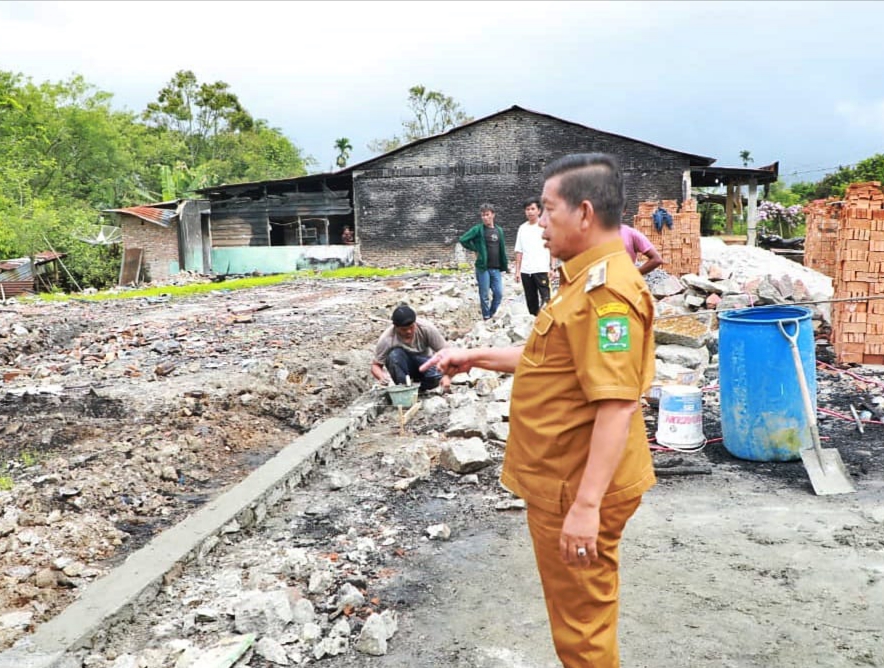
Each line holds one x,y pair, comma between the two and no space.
403,316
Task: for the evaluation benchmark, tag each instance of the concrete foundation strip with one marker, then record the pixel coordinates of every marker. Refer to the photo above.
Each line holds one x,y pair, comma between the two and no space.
134,584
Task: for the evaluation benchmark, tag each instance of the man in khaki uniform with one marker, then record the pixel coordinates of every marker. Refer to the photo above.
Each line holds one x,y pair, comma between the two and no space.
577,451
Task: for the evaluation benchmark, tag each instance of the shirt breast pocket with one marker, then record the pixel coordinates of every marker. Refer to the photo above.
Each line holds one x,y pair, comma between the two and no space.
535,349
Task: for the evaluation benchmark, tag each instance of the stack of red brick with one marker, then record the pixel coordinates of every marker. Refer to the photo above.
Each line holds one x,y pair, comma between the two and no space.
821,218
858,327
680,245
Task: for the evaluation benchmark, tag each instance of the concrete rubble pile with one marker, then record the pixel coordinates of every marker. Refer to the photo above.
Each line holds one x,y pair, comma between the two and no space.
731,277
59,526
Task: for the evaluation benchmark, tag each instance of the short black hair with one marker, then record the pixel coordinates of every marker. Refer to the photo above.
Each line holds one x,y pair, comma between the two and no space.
532,200
487,206
596,177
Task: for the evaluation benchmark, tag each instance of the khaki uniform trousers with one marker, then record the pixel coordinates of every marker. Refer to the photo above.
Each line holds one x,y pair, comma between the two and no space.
582,603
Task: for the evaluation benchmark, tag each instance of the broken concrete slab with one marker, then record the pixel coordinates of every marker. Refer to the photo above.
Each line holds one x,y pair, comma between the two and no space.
692,358
465,422
465,456
691,331
701,284
262,612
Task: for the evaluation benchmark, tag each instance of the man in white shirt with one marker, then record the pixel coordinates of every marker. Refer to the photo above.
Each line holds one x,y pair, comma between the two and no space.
533,264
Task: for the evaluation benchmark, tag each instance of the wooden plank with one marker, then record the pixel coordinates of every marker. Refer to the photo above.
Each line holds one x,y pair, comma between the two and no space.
130,268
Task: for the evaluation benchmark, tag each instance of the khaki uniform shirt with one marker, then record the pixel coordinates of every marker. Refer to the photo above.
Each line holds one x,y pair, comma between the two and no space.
593,341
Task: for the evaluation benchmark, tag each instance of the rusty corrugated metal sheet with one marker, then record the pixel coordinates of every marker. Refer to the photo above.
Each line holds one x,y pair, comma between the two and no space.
12,288
47,256
161,217
17,275
16,270
39,259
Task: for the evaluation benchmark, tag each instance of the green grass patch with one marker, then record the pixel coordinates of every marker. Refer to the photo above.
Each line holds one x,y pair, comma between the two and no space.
180,290
5,483
174,291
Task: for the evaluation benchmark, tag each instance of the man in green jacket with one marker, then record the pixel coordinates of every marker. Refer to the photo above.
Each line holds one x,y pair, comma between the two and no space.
486,241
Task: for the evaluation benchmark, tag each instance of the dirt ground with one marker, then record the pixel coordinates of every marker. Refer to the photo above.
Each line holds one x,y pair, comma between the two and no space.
162,405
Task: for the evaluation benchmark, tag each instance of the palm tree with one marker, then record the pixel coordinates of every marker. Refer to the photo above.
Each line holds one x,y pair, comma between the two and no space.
746,157
343,148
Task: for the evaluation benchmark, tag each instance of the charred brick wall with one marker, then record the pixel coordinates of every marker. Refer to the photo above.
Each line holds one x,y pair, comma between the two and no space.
412,206
160,245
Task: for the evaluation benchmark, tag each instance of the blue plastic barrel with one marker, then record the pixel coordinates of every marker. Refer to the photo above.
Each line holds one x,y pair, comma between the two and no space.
762,411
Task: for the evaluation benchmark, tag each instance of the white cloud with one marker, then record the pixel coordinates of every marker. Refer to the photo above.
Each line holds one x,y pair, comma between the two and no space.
863,115
681,74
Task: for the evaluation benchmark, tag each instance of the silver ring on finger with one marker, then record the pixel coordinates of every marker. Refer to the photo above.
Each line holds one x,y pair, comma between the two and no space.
581,551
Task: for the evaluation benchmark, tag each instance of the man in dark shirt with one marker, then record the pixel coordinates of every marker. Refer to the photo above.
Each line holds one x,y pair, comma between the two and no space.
486,240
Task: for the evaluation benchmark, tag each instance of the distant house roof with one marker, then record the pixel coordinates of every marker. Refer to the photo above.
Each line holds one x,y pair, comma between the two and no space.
17,275
40,258
709,177
159,213
695,160
698,160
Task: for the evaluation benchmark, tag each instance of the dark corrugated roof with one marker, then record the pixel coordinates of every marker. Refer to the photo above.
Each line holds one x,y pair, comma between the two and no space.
696,160
47,256
708,177
40,258
152,214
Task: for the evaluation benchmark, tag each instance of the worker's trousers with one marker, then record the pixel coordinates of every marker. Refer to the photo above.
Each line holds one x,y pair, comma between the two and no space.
582,602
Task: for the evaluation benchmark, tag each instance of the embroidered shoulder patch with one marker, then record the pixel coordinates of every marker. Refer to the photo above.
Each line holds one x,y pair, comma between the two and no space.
596,276
614,334
612,307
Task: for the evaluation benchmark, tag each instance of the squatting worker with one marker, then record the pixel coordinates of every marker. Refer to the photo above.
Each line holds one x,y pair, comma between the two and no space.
404,346
577,451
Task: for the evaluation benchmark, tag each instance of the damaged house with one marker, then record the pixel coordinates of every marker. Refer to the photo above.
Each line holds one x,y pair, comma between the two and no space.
406,207
25,275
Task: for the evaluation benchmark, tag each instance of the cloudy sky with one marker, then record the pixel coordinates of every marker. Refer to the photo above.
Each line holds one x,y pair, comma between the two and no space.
796,82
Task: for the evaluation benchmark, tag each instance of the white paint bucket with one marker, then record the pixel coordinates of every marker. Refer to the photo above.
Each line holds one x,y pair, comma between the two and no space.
680,421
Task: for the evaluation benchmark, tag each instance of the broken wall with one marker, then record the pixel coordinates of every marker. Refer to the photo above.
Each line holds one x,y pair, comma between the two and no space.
680,245
414,204
858,327
821,238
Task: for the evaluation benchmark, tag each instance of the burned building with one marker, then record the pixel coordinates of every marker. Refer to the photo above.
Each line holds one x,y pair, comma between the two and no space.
412,204
409,206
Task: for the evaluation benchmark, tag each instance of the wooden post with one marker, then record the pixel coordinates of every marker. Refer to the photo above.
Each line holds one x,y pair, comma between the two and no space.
300,235
752,212
729,209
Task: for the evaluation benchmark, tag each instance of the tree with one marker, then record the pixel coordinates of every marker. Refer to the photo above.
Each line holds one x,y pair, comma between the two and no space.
65,155
787,196
746,157
433,112
384,145
199,113
343,148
